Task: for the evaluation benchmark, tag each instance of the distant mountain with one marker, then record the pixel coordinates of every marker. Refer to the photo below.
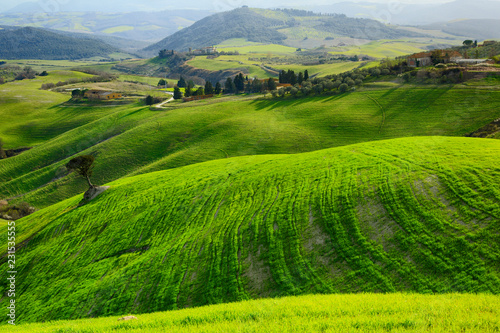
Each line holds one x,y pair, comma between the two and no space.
127,45
33,43
274,26
473,29
149,27
415,14
238,23
109,6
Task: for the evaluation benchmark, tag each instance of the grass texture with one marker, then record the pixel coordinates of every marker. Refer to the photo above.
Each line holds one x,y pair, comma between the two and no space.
315,313
414,214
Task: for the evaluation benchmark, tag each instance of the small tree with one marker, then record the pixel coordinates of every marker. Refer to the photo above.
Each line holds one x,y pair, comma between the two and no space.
271,85
188,92
162,82
83,165
229,86
343,88
467,42
181,83
199,92
300,78
209,88
149,100
177,93
218,88
306,75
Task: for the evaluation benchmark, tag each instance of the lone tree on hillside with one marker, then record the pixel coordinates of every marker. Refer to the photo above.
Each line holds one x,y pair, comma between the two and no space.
177,93
83,165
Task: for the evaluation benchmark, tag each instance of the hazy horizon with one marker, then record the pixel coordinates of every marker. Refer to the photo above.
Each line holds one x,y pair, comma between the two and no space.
216,5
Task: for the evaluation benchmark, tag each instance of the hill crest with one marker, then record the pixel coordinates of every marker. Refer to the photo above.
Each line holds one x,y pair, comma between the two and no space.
394,215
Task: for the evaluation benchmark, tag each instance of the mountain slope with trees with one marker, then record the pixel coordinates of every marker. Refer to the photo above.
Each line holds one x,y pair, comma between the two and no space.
212,30
272,27
33,43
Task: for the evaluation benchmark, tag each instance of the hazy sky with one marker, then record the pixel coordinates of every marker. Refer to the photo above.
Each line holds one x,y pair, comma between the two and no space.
217,5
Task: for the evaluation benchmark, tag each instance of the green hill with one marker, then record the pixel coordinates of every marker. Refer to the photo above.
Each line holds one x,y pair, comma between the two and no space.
33,43
415,214
273,27
131,139
475,29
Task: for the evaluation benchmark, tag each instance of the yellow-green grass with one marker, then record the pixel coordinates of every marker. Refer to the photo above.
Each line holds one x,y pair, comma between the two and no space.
152,81
133,139
404,215
244,46
31,115
51,65
322,70
121,28
318,313
221,63
383,48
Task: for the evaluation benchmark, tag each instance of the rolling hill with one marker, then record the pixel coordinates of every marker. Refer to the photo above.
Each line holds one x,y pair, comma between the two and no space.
33,43
414,214
141,26
474,29
273,27
131,139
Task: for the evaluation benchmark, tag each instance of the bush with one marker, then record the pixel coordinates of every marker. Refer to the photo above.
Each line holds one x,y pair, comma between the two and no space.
343,88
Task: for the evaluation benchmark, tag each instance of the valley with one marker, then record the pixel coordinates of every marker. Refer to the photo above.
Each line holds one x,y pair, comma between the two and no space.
304,175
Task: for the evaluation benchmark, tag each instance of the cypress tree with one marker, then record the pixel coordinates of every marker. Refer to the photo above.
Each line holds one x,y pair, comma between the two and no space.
300,78
209,89
271,85
306,75
218,88
181,83
177,93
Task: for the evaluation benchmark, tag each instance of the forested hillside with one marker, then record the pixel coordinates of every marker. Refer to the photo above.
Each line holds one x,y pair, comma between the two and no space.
33,43
273,26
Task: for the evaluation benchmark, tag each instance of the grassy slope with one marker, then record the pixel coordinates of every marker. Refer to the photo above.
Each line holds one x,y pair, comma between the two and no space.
325,313
132,140
414,214
31,116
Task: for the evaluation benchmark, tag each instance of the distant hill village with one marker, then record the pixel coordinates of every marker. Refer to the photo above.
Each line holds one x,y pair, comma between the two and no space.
429,58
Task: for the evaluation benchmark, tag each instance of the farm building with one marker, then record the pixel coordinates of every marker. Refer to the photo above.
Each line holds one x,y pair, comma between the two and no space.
423,59
101,94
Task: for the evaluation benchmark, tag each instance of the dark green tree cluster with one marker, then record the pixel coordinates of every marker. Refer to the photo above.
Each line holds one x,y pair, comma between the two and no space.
150,100
78,93
242,84
292,78
162,82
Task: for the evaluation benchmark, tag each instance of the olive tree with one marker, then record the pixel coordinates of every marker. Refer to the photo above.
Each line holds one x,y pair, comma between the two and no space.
83,165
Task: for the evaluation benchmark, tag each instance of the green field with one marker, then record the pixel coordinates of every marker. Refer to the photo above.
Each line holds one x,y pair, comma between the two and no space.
218,128
229,62
416,215
246,47
319,313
